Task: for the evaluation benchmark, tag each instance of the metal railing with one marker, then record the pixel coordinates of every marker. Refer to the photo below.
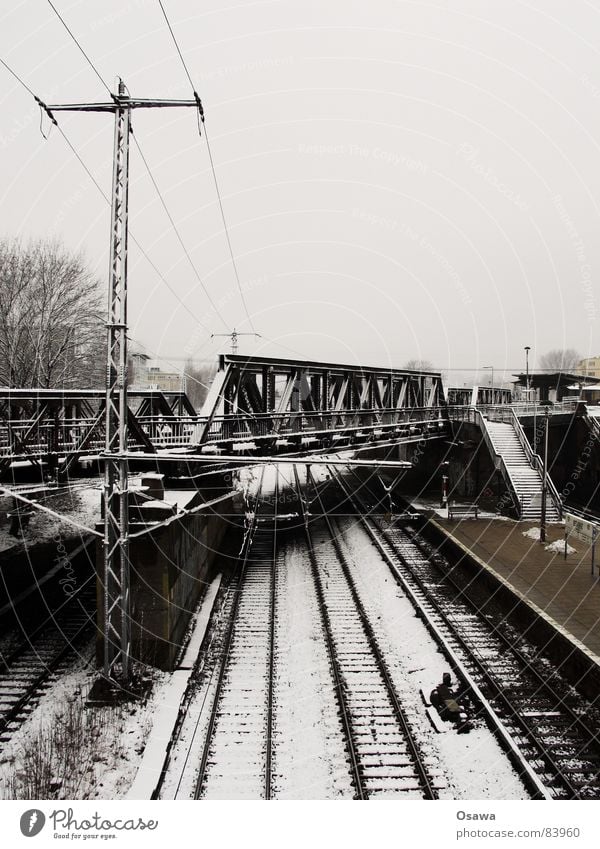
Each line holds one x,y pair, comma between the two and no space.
33,438
240,426
508,415
536,462
473,415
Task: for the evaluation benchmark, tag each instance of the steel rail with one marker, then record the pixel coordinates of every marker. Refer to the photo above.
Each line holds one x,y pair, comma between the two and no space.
54,628
594,737
519,760
339,686
223,666
226,650
273,601
426,783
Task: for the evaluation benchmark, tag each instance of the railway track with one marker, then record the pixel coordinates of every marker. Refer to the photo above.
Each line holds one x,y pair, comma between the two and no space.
553,728
237,752
28,668
383,752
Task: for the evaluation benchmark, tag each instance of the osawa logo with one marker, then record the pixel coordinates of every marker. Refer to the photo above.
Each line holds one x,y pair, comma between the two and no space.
32,822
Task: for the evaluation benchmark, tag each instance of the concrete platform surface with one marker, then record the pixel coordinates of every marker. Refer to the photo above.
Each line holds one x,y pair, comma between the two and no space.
564,589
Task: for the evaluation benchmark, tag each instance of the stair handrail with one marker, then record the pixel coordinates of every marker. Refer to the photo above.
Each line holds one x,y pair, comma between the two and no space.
499,459
536,462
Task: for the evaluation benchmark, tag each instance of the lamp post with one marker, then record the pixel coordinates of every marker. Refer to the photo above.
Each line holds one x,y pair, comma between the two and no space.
527,350
544,479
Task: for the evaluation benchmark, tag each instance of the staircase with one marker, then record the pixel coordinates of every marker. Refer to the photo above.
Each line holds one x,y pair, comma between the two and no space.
526,480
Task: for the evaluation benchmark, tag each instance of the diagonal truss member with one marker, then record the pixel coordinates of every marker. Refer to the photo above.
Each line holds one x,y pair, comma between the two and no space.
116,568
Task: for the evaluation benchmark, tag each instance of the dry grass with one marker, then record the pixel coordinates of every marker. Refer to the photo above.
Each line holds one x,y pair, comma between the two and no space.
61,759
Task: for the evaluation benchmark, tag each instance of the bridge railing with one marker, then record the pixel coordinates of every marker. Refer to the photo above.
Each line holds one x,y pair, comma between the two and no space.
302,423
30,436
40,438
505,412
500,413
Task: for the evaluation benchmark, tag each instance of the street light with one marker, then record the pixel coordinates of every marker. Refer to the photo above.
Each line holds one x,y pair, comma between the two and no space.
527,350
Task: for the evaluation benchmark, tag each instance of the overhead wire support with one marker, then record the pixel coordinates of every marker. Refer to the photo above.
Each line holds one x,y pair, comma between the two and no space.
116,567
234,335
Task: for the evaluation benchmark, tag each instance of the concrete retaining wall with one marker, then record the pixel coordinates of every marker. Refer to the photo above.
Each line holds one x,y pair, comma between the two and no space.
170,568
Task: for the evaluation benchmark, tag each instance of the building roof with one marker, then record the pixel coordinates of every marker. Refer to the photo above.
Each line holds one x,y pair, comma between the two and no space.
554,378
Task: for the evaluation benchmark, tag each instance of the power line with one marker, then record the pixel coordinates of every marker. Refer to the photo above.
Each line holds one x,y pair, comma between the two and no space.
107,199
97,73
19,80
177,45
150,262
175,229
161,276
95,70
80,48
201,114
226,228
212,166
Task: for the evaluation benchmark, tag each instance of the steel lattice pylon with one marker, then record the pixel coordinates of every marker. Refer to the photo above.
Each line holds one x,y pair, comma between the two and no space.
116,608
117,623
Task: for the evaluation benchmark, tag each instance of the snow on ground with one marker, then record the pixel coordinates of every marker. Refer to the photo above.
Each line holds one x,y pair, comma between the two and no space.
474,765
108,740
558,546
167,700
124,756
81,504
309,760
184,759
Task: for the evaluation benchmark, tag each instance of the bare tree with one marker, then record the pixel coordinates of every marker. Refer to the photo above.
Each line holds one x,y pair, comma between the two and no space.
558,359
419,365
51,327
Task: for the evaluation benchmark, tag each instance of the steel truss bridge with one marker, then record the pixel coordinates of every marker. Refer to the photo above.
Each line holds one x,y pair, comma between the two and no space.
255,406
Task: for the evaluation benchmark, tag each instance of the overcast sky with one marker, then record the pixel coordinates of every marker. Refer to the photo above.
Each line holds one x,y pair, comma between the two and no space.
401,179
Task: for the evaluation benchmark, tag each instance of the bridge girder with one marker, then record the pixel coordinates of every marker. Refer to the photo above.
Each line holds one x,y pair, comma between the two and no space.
263,402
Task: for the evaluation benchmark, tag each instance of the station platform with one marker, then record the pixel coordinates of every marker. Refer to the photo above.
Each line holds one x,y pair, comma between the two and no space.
564,590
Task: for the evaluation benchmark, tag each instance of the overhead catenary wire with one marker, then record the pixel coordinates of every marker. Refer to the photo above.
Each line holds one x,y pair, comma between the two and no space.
212,166
144,160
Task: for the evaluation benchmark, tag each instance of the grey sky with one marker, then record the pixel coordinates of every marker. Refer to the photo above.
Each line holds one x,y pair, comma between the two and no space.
402,179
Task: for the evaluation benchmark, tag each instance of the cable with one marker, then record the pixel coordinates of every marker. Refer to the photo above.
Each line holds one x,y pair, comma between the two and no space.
176,45
95,70
82,51
132,236
174,226
226,229
105,196
212,165
201,113
18,79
